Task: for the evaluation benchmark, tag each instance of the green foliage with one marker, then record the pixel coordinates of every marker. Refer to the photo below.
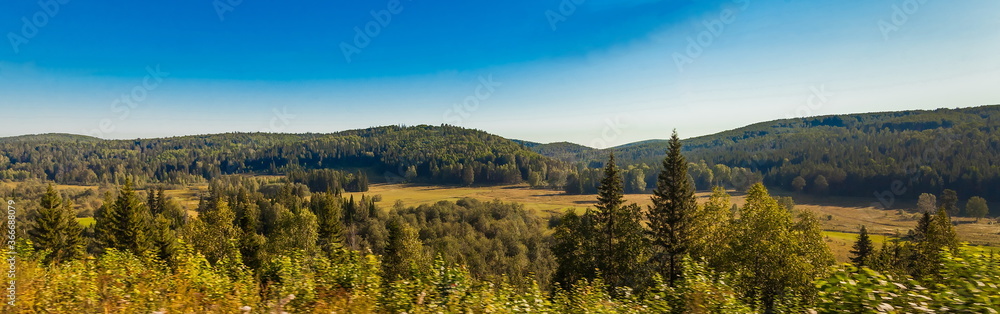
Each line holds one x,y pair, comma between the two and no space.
125,224
621,244
969,283
863,249
976,207
431,154
700,290
671,214
404,254
775,258
949,201
928,150
55,229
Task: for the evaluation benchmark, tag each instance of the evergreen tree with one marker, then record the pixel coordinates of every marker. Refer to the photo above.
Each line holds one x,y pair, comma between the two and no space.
621,244
329,217
862,249
55,228
671,213
126,224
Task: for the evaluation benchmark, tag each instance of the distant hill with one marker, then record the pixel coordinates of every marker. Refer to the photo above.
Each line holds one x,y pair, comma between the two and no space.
50,137
857,154
431,154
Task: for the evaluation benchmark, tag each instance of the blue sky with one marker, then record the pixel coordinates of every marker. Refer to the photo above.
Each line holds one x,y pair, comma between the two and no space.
594,72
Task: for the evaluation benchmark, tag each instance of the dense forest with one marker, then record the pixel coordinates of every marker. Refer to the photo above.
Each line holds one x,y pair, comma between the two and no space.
428,154
282,244
851,155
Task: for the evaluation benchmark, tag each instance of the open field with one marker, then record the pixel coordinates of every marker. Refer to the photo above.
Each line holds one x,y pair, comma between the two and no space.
839,214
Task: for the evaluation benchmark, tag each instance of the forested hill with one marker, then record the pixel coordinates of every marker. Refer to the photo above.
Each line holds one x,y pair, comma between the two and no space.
433,154
51,138
856,154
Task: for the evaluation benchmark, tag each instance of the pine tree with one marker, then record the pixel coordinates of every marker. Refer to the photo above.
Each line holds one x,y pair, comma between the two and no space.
329,216
55,228
862,249
126,223
621,243
946,237
670,215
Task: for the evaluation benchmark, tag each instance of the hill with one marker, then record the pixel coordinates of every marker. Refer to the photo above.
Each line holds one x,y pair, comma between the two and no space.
50,137
431,154
856,154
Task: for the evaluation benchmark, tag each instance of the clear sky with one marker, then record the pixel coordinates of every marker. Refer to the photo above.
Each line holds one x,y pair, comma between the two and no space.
594,72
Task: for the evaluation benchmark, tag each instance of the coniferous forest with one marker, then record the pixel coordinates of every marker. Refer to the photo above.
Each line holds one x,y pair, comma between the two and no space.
275,231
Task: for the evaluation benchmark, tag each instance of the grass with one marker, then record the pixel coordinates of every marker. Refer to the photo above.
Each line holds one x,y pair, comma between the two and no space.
86,221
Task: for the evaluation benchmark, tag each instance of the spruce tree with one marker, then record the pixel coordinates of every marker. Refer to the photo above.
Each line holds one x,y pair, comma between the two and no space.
862,249
670,215
126,224
329,216
55,228
621,243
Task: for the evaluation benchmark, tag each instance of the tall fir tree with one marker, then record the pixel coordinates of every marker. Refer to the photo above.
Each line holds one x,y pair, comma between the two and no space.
671,213
126,224
56,230
329,216
622,244
863,249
